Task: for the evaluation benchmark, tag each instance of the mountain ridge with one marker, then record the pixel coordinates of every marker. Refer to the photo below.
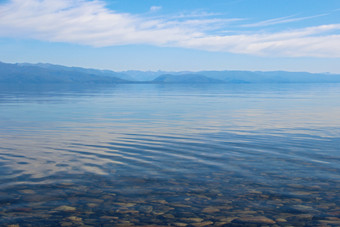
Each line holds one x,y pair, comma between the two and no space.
50,73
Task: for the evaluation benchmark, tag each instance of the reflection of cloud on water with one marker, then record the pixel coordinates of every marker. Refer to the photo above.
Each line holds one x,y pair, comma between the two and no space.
145,132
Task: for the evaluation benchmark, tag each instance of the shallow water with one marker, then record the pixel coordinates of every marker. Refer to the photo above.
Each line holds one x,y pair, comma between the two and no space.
200,155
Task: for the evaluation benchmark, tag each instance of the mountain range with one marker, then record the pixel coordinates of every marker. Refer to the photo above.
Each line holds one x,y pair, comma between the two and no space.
21,73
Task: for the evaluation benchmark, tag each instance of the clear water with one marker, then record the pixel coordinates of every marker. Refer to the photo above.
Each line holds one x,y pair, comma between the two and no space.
200,155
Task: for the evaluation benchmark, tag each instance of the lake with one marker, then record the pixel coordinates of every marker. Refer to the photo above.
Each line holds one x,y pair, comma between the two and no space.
178,155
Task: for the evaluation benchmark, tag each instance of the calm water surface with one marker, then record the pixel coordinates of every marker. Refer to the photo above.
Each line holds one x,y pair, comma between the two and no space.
178,155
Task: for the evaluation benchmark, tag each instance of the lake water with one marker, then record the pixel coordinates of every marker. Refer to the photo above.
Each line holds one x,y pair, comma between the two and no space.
179,155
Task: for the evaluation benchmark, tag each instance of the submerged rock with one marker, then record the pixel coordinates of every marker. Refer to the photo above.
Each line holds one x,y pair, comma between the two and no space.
192,219
302,193
126,204
161,201
109,217
280,220
257,220
180,205
220,223
91,205
65,208
168,216
227,220
27,191
200,224
303,208
210,210
180,224
128,211
75,219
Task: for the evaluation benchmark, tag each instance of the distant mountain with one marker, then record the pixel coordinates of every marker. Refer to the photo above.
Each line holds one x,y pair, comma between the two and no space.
53,74
271,77
185,78
46,73
248,77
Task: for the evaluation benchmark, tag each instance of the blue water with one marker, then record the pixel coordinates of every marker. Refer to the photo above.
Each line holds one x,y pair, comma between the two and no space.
178,155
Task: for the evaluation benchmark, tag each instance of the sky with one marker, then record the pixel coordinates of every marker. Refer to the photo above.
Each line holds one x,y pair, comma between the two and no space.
173,35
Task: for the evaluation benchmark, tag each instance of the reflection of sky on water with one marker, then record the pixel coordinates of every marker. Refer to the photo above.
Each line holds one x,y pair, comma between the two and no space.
247,107
59,131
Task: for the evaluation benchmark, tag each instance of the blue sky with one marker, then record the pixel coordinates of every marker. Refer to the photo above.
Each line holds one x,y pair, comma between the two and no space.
173,35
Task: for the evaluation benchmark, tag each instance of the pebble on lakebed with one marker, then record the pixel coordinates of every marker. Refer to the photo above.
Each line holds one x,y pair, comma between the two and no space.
256,219
65,208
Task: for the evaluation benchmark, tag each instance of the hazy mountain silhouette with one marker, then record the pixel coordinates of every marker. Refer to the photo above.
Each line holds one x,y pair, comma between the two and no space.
45,73
54,74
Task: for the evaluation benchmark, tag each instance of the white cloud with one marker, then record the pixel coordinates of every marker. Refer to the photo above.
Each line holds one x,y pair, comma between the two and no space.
91,23
155,8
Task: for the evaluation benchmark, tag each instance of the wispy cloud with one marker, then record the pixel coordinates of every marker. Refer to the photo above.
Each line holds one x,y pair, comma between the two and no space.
281,20
193,14
155,8
294,43
91,23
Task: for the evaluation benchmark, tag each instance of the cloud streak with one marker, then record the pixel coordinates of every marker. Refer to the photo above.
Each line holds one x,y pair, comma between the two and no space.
91,23
281,20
